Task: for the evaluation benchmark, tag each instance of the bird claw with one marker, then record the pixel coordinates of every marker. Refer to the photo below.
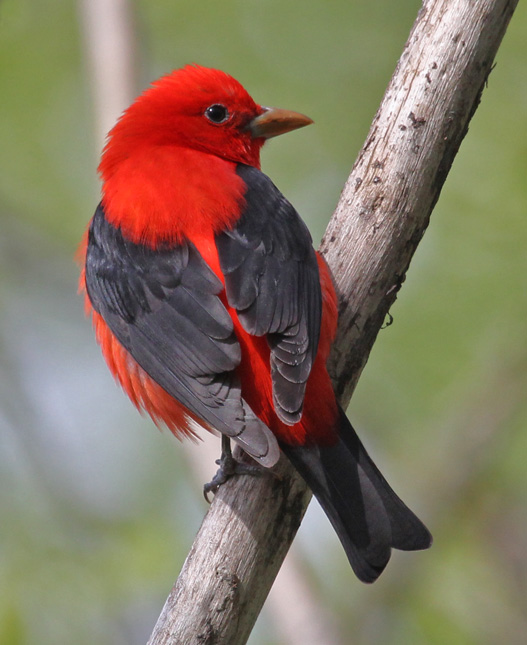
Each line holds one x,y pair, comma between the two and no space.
228,466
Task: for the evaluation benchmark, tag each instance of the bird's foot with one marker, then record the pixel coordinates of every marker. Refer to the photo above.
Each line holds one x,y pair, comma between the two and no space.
228,466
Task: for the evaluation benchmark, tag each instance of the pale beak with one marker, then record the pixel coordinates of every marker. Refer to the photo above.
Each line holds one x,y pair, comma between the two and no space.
275,121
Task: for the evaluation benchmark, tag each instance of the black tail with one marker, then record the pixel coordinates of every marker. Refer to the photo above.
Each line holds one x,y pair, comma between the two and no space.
367,515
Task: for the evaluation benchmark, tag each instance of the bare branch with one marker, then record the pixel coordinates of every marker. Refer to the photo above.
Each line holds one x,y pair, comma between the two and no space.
381,217
306,621
109,45
395,182
214,601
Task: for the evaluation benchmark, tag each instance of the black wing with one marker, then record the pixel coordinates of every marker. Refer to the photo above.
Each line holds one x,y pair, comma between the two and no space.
163,307
272,280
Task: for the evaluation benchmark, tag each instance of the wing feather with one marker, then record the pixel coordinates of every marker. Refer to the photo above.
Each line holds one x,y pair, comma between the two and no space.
163,307
272,280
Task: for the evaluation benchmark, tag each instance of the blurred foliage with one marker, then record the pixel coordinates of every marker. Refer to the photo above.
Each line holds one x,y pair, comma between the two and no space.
98,509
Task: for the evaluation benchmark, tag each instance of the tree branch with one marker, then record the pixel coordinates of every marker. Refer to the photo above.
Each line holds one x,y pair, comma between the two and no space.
396,181
379,221
109,48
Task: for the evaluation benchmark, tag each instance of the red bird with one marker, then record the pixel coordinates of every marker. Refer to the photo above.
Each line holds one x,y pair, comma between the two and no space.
212,308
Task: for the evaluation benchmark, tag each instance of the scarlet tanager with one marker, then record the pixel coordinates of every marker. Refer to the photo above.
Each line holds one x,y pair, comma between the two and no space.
214,311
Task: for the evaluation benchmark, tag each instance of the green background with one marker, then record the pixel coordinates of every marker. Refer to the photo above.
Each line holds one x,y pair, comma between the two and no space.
98,509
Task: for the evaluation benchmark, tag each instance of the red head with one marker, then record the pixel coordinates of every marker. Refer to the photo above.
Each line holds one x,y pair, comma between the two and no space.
198,108
168,168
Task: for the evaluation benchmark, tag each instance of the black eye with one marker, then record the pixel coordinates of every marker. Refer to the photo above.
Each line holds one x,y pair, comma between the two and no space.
217,113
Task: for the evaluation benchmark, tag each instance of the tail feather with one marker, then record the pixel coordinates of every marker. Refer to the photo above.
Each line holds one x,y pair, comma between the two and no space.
367,515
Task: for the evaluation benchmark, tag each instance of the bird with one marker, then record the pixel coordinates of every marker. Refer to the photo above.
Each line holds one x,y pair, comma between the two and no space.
214,311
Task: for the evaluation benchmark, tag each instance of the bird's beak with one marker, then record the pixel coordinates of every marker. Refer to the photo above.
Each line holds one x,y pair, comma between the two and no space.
275,121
